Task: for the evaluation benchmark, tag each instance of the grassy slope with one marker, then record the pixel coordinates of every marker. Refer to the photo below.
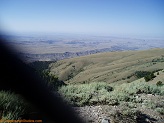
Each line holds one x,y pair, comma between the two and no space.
107,67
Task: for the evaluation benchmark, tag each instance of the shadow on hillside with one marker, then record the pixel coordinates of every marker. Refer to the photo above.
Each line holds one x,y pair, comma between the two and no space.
143,118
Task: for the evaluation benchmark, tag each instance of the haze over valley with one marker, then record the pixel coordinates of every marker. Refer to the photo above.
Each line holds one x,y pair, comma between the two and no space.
61,46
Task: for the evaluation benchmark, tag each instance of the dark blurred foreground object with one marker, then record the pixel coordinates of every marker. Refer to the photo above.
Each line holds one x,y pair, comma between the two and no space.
18,77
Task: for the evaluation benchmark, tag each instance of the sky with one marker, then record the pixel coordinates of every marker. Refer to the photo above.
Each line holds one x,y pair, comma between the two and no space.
100,17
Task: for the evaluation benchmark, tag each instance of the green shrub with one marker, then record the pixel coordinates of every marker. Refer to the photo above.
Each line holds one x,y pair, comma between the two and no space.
158,59
122,97
151,105
149,77
146,74
140,87
159,83
103,93
160,110
86,94
140,74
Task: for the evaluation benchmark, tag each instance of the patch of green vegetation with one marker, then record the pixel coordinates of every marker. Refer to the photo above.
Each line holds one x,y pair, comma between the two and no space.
159,83
86,94
160,110
12,105
140,74
141,87
149,77
150,104
158,59
146,74
103,93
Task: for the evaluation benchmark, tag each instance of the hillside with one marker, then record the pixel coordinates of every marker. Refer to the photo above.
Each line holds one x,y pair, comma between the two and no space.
108,67
134,102
102,87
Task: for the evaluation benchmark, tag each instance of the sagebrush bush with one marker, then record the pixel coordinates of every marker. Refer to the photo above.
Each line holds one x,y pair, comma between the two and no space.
140,87
103,93
86,94
160,110
159,83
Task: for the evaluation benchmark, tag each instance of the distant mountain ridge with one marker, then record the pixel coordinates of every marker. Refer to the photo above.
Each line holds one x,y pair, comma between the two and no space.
59,56
57,47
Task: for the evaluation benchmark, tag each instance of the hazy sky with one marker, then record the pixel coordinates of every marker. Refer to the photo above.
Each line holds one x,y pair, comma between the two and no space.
122,17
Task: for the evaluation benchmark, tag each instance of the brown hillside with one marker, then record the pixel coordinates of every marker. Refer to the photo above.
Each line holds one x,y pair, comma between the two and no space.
108,67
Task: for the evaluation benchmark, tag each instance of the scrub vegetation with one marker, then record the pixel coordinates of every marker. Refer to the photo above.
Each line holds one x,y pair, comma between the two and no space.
131,82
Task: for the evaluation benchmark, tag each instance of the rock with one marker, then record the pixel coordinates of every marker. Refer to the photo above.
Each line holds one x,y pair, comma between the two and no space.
104,120
147,120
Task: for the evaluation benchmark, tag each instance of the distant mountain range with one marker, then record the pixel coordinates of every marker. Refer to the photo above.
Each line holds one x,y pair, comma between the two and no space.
57,47
59,56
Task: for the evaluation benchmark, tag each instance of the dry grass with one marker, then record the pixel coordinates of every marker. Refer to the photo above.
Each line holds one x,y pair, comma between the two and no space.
107,67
